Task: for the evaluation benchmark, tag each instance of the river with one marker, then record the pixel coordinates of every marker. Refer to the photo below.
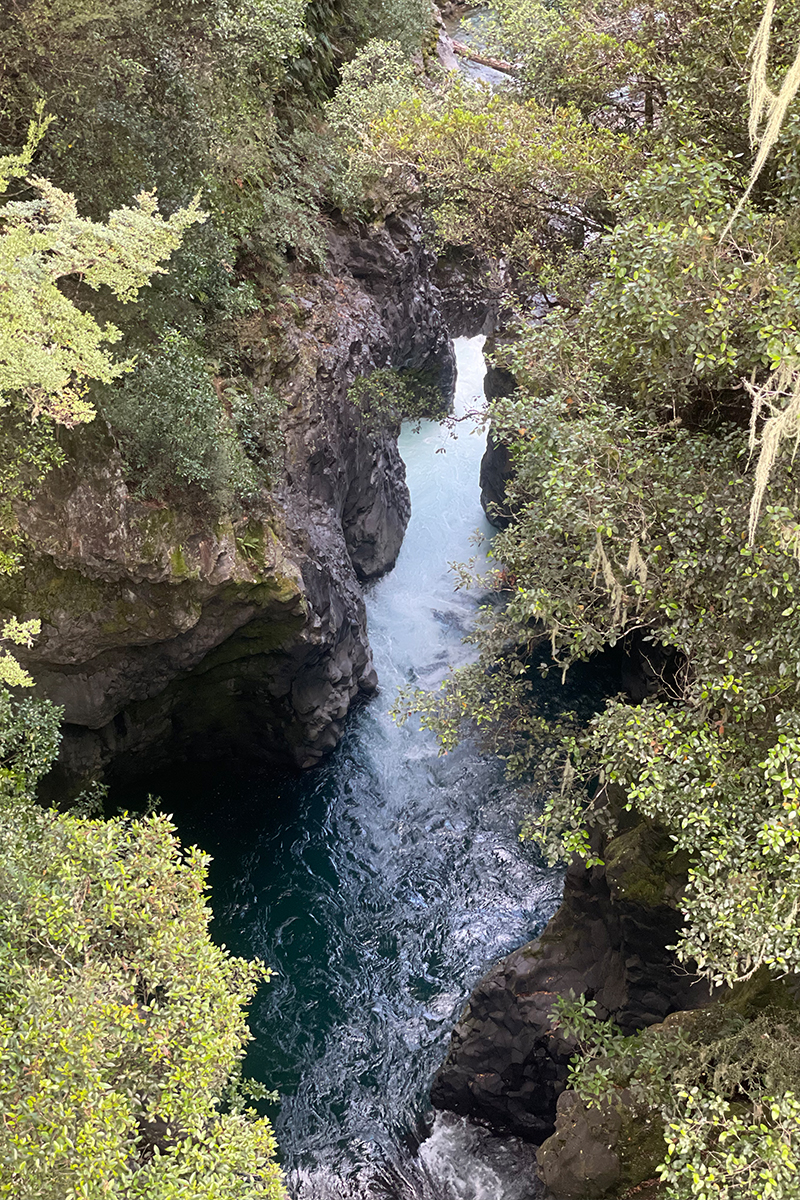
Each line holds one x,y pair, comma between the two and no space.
381,885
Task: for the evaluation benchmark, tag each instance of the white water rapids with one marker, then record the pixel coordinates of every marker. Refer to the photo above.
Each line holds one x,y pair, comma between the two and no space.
383,884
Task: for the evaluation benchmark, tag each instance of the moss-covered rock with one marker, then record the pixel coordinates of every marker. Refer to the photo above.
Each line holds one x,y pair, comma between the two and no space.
643,868
579,1161
640,1147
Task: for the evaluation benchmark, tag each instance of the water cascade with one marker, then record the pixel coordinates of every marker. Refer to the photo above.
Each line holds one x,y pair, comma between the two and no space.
382,885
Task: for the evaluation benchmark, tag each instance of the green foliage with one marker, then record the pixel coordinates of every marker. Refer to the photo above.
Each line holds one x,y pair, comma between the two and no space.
388,397
724,781
593,55
121,1022
28,450
49,348
172,428
408,22
678,65
193,74
256,414
671,320
491,169
29,740
375,82
678,306
604,1058
724,1085
21,633
713,1153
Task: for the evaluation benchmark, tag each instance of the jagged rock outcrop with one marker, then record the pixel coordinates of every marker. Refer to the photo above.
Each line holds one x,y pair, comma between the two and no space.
472,292
496,471
506,1065
167,631
496,466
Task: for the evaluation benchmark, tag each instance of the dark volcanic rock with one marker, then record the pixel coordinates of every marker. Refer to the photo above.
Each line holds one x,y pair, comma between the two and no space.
471,291
496,471
579,1161
611,1147
167,632
496,466
506,1066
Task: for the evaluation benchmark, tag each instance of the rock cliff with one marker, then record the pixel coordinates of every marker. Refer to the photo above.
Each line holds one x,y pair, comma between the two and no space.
167,632
496,466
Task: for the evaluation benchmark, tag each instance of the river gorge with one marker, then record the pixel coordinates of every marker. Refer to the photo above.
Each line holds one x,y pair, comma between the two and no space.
382,884
261,938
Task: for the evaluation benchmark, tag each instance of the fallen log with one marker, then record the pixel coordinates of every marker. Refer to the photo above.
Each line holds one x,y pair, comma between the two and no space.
497,64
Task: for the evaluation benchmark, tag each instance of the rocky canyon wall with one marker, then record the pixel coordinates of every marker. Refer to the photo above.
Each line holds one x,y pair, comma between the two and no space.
166,632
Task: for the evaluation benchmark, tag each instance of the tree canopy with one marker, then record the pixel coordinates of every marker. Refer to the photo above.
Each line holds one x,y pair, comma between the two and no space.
121,1022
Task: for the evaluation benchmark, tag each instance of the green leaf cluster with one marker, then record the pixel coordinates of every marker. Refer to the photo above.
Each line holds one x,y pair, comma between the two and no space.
492,171
388,397
49,348
121,1022
673,64
172,428
725,1087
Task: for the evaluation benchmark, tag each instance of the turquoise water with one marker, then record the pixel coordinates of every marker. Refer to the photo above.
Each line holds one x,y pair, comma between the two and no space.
381,885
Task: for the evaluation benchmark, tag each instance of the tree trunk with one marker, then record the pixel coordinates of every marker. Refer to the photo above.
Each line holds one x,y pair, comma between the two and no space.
497,64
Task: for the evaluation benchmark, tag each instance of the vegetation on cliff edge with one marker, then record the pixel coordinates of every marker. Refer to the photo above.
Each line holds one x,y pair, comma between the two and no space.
131,134
643,327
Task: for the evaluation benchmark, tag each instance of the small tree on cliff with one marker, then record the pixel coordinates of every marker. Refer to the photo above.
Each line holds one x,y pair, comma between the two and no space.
50,349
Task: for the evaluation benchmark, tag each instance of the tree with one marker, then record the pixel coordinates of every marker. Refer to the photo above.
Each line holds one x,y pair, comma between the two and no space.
121,1022
49,348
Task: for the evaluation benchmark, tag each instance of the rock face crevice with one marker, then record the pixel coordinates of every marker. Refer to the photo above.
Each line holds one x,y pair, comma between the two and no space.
169,633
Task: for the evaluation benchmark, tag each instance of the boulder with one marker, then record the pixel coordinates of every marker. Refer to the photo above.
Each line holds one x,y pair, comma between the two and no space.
507,1064
578,1161
600,1149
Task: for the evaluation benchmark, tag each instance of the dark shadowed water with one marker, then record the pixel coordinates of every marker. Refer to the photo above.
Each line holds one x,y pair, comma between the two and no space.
380,886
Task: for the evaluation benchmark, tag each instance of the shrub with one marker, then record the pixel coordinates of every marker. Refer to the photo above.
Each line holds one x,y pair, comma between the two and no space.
121,1023
172,428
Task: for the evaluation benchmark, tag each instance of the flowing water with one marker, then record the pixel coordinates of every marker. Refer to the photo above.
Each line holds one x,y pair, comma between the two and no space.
469,29
382,885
